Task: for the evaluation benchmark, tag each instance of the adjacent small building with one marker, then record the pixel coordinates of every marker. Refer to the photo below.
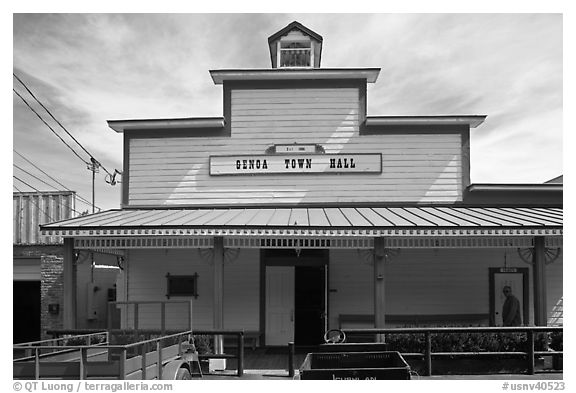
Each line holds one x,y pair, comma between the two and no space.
297,211
38,286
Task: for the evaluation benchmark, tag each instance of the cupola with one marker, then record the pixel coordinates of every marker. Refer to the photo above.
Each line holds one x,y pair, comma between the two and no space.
295,46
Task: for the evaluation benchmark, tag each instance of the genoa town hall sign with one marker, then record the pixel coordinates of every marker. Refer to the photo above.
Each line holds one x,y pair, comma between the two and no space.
295,159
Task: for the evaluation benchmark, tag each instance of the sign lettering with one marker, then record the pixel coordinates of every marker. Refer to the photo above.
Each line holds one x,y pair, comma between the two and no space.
295,164
295,148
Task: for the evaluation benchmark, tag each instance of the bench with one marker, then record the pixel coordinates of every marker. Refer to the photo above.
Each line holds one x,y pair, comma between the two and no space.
357,321
344,320
251,339
360,321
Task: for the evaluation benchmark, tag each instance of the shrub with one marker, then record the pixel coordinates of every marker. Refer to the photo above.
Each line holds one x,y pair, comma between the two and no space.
556,341
76,340
203,344
471,342
72,341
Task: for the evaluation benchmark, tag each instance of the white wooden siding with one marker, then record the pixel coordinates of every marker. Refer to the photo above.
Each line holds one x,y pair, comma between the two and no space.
242,291
554,289
175,171
146,278
351,285
440,281
455,281
146,274
418,282
428,282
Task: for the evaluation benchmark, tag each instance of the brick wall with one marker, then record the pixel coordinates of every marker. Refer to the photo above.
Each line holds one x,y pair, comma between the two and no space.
52,292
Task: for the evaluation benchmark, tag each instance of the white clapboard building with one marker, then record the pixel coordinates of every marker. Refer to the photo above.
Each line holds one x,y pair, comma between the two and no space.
297,211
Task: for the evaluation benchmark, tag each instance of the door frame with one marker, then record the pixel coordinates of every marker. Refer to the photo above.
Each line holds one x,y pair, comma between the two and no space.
525,290
301,260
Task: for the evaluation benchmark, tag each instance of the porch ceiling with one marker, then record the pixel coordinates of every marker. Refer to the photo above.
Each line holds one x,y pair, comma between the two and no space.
333,221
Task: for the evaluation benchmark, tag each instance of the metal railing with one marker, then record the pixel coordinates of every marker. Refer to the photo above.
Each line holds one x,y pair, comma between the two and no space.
120,361
59,343
136,307
125,349
427,353
81,354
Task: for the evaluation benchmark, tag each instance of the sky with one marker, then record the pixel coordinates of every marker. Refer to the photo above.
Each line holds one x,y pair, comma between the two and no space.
90,68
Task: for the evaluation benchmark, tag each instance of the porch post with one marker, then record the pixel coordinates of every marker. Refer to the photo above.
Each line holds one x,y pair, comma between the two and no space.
69,280
218,291
539,279
379,285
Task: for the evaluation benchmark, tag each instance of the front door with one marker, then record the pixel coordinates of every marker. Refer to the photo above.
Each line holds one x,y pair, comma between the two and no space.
279,305
517,280
310,299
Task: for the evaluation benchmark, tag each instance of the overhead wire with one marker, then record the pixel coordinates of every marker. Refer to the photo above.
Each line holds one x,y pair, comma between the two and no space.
35,177
40,192
22,181
93,164
50,185
78,196
93,160
51,129
34,203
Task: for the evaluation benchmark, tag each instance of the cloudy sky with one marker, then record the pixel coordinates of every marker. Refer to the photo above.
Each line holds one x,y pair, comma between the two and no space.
89,68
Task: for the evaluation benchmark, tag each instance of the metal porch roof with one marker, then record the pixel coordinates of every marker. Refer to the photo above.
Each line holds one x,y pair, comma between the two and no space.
327,221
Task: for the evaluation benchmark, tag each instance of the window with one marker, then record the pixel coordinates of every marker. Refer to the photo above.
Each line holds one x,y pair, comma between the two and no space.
296,54
182,285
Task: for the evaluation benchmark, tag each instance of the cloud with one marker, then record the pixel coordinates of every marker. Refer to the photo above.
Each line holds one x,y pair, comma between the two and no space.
89,68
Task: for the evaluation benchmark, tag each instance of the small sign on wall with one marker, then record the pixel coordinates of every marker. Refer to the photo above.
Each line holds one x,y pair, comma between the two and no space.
295,148
295,164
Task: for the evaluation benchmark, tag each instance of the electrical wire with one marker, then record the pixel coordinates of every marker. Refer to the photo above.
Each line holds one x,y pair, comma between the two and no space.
48,184
93,160
40,192
34,203
35,177
51,129
82,199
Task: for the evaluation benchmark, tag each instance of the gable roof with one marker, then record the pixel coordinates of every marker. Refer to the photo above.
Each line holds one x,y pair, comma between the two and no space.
291,26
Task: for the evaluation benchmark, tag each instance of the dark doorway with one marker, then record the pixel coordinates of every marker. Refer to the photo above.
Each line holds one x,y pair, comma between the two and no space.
308,285
26,311
309,302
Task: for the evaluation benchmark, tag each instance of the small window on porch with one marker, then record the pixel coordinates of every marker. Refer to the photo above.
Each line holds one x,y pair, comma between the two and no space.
181,286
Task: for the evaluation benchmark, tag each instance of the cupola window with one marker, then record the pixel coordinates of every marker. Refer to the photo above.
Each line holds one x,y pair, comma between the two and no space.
295,46
296,54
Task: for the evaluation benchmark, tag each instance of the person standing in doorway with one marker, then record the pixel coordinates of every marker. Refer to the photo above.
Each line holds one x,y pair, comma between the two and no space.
511,309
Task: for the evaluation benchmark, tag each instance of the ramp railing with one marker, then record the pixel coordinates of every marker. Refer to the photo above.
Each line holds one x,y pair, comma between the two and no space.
530,332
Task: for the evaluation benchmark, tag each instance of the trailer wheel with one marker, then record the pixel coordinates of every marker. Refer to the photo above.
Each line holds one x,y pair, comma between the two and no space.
183,374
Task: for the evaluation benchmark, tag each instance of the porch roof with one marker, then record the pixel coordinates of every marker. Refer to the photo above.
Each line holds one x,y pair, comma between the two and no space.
316,221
